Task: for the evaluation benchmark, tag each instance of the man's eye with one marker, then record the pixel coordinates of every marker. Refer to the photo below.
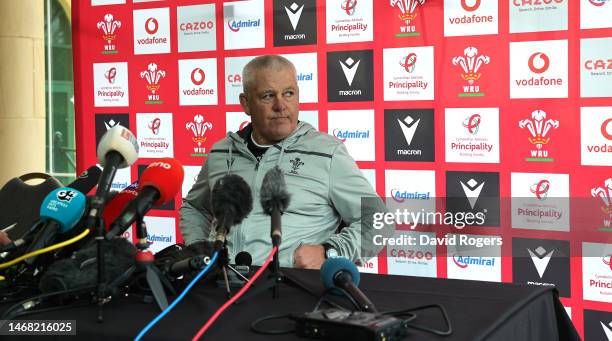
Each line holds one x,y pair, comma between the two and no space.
267,96
289,93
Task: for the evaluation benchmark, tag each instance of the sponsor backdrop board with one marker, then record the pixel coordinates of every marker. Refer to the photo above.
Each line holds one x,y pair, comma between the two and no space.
495,107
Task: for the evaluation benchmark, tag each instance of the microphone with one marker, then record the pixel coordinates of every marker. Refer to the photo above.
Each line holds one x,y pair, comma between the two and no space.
84,183
339,272
231,203
188,265
60,211
118,148
158,184
243,262
117,204
274,201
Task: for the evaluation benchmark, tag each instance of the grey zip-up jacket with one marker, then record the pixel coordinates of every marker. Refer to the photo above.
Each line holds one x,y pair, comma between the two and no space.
324,182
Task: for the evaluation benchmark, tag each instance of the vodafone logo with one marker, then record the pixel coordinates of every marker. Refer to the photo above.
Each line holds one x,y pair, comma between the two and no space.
110,75
541,189
151,26
198,76
606,128
468,8
538,62
409,62
348,6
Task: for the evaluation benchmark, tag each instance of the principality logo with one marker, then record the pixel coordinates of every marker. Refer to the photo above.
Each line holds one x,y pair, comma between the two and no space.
296,163
152,76
349,67
109,27
151,26
110,75
472,190
470,8
409,62
154,125
538,62
407,15
472,124
539,128
540,189
348,6
197,76
198,128
470,64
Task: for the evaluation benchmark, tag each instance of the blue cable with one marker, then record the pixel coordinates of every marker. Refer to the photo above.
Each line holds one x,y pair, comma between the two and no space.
178,299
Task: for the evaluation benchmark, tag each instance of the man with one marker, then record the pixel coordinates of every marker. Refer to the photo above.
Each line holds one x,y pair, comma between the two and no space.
323,180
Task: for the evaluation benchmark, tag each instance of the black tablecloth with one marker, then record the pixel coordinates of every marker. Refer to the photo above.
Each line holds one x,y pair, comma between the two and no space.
477,310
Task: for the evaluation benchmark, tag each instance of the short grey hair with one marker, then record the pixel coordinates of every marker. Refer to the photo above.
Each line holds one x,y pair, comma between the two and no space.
256,64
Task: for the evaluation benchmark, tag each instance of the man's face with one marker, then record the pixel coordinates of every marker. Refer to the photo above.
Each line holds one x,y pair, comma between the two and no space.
273,104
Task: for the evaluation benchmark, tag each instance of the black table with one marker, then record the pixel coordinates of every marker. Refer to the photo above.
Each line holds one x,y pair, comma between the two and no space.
477,310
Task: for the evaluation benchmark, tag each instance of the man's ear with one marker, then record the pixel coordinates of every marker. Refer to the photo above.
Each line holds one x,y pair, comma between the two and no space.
244,102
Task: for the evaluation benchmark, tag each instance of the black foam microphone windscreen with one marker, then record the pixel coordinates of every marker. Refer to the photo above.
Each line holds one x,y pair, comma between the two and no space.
273,194
231,201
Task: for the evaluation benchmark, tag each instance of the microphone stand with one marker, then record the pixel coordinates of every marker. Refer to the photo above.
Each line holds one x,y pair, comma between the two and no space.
97,226
223,262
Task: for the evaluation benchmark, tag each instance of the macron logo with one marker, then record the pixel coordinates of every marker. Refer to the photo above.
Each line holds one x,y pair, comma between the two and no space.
349,67
540,259
294,12
110,124
472,191
409,127
607,330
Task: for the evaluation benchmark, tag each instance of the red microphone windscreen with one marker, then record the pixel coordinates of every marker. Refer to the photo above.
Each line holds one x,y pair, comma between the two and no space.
166,175
115,206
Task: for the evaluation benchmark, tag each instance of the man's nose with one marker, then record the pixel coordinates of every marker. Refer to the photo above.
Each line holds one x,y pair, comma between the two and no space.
279,103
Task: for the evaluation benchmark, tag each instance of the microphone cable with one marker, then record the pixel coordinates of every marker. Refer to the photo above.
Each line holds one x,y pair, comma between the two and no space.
234,298
45,250
179,298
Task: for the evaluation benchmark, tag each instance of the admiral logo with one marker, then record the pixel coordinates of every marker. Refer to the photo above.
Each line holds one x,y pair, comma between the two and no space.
294,12
540,258
304,76
401,196
599,3
235,26
409,135
472,190
109,28
66,195
539,128
350,76
605,194
464,261
198,127
407,13
343,135
470,64
349,67
295,22
152,76
153,238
